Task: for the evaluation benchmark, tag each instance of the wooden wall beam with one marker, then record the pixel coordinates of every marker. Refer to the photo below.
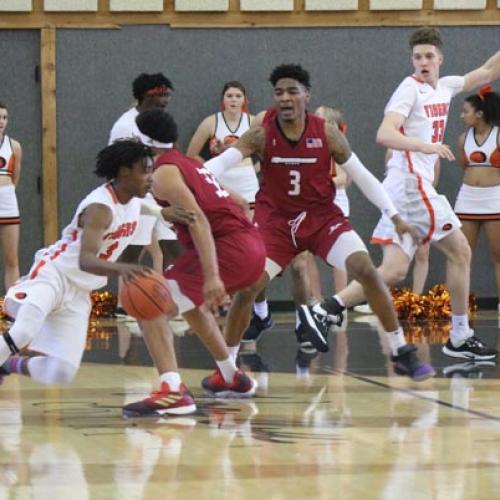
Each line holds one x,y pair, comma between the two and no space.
49,135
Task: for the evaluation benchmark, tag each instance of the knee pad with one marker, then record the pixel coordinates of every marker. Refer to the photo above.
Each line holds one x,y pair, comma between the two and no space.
49,370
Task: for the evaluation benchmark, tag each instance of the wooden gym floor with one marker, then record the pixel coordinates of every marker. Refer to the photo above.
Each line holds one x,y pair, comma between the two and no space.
339,426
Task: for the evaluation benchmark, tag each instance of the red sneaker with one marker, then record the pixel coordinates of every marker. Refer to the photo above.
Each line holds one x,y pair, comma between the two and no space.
162,402
242,385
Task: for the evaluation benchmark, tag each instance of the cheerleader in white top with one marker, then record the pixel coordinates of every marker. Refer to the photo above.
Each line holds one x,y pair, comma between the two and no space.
478,201
413,127
10,171
51,305
222,129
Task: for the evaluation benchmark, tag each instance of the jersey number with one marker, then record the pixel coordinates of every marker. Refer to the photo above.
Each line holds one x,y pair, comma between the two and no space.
209,177
438,135
294,183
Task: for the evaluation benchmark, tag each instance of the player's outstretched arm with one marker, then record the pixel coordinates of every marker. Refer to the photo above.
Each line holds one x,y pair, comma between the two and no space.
253,141
487,73
370,186
389,135
95,220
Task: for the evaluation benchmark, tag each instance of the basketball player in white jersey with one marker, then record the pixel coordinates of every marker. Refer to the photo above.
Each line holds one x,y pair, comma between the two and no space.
413,127
51,305
151,91
10,171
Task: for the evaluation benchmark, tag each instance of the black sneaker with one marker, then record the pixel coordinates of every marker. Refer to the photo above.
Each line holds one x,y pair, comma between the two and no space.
303,359
314,324
407,363
257,326
334,311
304,343
472,348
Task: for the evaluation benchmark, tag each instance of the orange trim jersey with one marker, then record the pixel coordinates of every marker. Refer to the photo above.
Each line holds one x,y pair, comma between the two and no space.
426,113
7,157
65,253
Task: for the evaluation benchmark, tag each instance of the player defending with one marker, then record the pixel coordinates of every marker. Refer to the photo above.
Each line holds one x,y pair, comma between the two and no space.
294,211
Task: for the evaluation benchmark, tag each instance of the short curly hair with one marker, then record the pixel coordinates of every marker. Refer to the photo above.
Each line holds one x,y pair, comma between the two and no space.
145,82
293,71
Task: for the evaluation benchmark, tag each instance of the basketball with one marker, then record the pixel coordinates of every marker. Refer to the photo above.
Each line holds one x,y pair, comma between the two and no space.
147,297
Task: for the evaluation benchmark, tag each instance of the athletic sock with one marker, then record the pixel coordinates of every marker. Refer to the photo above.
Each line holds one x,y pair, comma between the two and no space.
261,309
396,340
233,352
460,330
173,379
228,368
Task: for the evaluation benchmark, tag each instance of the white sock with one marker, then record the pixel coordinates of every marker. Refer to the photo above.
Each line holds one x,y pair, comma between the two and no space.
173,379
460,330
396,340
261,309
228,368
339,300
233,351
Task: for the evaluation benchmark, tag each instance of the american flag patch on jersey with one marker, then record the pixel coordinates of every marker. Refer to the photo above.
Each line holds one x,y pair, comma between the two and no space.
314,142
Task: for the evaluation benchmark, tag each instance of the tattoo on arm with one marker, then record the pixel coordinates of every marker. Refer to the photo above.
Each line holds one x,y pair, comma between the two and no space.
337,144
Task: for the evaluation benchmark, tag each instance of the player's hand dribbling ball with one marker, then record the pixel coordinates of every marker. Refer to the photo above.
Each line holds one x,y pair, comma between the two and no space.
147,296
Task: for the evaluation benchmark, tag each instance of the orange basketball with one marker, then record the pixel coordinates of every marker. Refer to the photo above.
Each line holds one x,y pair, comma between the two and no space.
147,297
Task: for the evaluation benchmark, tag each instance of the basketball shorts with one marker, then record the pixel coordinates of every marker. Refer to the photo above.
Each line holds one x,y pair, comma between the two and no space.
478,203
419,204
240,256
64,331
316,230
9,209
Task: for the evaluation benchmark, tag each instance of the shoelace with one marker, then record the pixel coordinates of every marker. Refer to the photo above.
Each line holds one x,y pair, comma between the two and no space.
474,342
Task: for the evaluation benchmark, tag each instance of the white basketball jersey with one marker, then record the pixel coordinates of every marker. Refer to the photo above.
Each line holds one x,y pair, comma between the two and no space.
65,253
6,157
426,112
485,155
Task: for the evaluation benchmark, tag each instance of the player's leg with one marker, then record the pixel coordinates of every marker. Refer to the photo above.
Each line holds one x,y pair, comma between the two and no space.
348,252
9,239
420,268
492,230
462,342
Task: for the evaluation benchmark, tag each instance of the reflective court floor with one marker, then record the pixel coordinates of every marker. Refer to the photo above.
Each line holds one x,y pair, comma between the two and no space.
341,425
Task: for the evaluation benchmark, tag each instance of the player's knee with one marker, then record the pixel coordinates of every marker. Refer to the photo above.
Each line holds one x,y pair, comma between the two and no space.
53,371
361,268
394,274
461,252
299,266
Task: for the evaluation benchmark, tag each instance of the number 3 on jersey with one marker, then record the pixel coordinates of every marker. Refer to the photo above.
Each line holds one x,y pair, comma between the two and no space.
294,183
438,135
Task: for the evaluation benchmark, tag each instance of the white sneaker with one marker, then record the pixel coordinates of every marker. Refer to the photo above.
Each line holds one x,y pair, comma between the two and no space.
363,309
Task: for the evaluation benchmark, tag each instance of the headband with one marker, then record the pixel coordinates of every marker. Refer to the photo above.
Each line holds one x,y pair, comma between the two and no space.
159,90
153,143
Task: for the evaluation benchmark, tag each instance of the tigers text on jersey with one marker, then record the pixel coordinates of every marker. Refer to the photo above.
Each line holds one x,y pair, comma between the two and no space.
296,176
65,253
426,112
485,155
223,214
6,157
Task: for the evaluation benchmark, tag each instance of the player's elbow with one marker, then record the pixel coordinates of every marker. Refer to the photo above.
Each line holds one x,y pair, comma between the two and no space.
382,136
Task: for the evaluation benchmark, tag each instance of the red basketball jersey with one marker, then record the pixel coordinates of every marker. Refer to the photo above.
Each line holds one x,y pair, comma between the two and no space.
296,175
223,214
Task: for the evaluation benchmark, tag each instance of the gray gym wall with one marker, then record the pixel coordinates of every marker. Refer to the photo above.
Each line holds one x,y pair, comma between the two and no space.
20,90
355,69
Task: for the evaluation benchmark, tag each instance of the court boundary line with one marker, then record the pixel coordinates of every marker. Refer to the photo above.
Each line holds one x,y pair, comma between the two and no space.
415,394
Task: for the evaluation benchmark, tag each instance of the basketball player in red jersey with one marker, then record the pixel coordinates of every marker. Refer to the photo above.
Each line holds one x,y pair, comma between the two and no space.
294,212
223,253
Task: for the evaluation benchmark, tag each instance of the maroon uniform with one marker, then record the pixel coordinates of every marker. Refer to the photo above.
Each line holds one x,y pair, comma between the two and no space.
239,246
294,208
